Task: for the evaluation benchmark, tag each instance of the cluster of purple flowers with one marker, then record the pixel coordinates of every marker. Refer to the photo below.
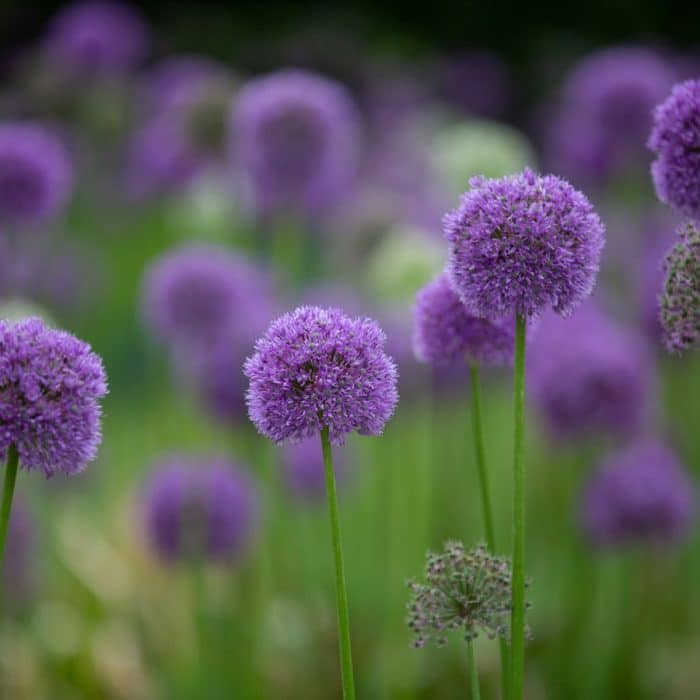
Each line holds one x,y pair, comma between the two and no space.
199,508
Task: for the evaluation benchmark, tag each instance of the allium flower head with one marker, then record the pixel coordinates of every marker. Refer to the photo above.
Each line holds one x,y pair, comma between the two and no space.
675,139
97,38
199,507
35,173
444,331
466,591
680,299
641,494
468,149
317,368
194,295
296,136
50,385
522,244
589,375
304,472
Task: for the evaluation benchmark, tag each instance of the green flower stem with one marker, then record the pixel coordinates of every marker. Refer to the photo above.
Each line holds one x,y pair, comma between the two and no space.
473,671
517,660
485,490
348,679
7,492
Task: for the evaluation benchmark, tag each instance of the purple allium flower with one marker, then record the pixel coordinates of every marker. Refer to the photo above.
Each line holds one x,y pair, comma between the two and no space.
467,591
200,506
680,299
18,558
588,375
50,385
445,332
35,173
317,368
96,38
606,109
521,244
304,472
640,494
296,136
195,295
675,139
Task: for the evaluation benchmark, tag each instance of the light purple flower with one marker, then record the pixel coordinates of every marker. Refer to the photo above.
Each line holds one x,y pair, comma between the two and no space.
200,507
50,387
317,368
444,332
296,137
304,471
590,376
675,139
97,38
35,174
522,244
641,494
17,567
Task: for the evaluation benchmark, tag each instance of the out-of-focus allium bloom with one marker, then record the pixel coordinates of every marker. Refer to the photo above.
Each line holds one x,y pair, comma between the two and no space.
680,299
35,173
588,375
522,244
464,590
444,332
200,507
296,136
194,295
50,386
675,139
304,472
640,494
97,38
316,368
468,149
19,553
404,260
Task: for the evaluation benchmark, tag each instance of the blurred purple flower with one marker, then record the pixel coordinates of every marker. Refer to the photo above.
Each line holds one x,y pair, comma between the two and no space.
317,368
51,384
17,566
200,506
590,376
522,244
296,137
444,332
675,139
605,112
35,174
641,494
96,38
304,472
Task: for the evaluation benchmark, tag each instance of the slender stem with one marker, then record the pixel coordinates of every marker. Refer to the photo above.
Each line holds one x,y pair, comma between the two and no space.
7,492
473,671
341,594
485,490
517,661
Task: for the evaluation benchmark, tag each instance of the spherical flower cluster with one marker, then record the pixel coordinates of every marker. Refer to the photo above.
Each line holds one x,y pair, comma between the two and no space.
680,299
640,494
304,472
675,139
464,590
50,385
522,244
468,149
605,115
195,295
296,136
588,376
35,174
444,331
199,508
97,38
317,368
